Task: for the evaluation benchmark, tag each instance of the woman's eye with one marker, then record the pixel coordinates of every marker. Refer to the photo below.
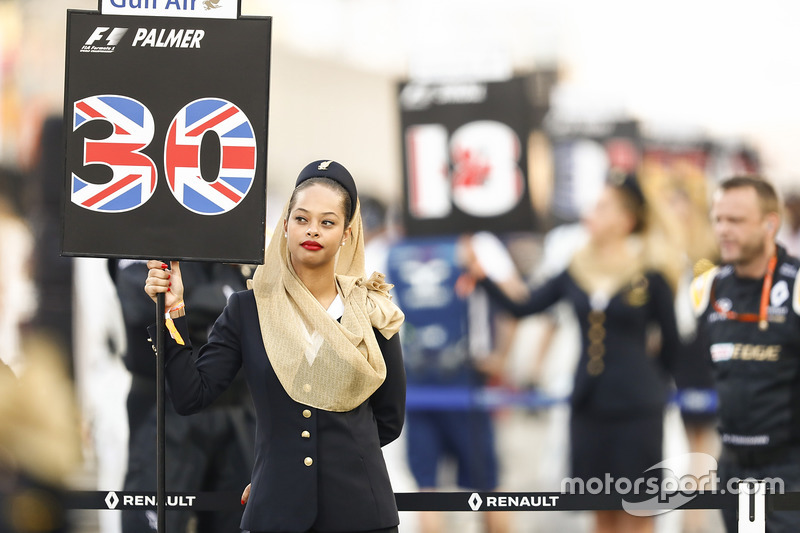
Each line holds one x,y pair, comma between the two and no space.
299,219
328,222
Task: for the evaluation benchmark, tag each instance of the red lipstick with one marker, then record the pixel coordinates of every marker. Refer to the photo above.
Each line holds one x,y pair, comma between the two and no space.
311,245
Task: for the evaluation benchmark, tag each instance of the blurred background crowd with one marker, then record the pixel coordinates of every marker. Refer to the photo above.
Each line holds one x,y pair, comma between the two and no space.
495,119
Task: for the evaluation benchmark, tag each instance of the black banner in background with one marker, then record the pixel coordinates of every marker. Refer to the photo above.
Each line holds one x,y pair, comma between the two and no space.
128,501
466,157
583,153
433,501
166,137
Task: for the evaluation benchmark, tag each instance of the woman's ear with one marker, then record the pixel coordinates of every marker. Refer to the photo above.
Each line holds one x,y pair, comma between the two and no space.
346,235
285,227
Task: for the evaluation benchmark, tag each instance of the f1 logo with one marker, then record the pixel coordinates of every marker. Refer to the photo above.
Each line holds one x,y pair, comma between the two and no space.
113,37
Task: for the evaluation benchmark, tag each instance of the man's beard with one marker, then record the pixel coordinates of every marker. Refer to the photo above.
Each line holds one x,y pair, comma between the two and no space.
751,251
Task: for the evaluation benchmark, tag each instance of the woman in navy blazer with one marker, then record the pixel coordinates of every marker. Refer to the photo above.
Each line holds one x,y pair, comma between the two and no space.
323,363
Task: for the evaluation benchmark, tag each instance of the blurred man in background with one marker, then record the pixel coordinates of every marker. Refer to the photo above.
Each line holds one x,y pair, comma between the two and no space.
749,313
453,344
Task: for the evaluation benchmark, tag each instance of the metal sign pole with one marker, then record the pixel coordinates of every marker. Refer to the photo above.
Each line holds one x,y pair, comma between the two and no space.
160,414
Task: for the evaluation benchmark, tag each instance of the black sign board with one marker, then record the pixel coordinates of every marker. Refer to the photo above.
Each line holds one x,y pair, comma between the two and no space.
466,156
166,137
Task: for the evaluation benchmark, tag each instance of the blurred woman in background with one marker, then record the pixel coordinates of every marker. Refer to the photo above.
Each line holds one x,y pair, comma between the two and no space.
618,290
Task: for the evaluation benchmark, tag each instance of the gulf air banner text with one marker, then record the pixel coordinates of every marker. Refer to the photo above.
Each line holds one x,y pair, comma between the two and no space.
222,9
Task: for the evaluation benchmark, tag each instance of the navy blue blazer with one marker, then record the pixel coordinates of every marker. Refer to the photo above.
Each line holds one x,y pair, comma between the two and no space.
313,468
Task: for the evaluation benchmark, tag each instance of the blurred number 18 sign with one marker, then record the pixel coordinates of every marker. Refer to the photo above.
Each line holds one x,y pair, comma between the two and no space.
465,158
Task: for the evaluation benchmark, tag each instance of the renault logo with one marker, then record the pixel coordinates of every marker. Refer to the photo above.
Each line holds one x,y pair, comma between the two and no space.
112,500
475,501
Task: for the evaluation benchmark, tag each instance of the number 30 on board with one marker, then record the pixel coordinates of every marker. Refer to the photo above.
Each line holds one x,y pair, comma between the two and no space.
134,175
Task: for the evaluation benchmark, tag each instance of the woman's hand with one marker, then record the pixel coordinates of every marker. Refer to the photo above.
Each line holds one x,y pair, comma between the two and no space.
468,261
164,279
246,494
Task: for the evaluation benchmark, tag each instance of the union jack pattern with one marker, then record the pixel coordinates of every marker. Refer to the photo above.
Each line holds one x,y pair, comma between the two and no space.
133,173
237,161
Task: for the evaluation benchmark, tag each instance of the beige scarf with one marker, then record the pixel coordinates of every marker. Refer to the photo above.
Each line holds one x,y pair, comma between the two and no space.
330,365
601,280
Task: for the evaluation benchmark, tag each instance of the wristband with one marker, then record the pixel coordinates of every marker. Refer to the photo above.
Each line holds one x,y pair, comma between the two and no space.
180,306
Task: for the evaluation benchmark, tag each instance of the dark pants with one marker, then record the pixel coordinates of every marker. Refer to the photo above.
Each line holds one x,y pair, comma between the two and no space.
784,467
466,436
204,452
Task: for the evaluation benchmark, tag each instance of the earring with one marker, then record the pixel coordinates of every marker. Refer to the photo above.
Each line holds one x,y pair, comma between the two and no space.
286,234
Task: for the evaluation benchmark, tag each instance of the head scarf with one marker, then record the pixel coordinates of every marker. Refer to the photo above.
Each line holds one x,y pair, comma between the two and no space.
330,365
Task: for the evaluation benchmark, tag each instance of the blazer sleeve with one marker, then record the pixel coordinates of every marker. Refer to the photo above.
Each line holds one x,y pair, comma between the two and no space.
193,384
389,401
537,301
664,315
